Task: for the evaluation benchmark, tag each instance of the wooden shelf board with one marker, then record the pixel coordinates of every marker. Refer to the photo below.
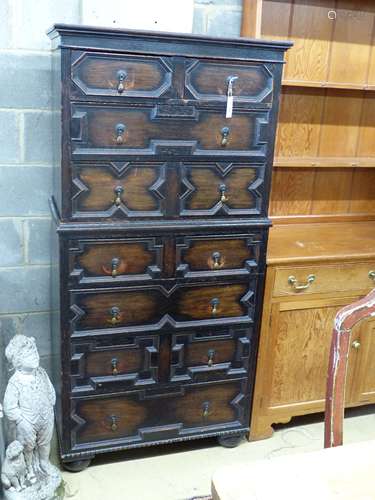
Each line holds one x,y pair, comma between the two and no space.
328,85
324,162
321,242
326,218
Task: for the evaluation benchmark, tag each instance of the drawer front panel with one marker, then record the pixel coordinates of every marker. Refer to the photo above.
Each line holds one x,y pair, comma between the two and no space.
115,260
324,279
146,415
157,306
118,190
211,354
214,255
208,81
111,75
213,189
120,362
134,131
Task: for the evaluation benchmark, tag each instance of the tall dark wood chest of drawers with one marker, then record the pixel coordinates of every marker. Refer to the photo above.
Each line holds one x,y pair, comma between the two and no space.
160,204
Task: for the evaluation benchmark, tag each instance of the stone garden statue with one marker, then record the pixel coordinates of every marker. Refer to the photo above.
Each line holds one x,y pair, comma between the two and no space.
27,473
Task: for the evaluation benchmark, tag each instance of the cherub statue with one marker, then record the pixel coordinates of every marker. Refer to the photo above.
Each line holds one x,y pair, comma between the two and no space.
28,404
13,472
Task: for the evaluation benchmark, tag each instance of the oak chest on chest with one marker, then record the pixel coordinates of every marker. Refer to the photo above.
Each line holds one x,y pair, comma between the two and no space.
164,153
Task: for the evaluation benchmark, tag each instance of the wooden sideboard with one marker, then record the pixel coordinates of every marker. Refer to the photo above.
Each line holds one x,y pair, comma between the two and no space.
313,270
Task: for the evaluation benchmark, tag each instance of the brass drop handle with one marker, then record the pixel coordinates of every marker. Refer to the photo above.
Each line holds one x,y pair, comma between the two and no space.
223,190
214,305
120,131
118,192
121,77
292,280
114,363
211,354
224,136
371,275
114,425
356,344
216,257
206,409
115,263
115,315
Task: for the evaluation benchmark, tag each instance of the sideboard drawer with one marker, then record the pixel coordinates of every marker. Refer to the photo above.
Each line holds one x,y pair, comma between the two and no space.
324,279
104,130
113,75
144,415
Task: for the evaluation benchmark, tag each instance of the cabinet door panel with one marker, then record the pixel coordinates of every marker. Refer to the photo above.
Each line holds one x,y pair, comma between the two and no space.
363,351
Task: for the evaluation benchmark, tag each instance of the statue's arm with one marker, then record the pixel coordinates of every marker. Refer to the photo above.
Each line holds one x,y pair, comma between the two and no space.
11,403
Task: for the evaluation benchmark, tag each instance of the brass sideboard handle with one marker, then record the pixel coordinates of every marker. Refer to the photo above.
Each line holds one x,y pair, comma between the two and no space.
114,364
114,425
216,257
225,136
210,354
214,304
115,263
120,131
118,192
206,409
292,280
121,76
356,344
115,315
223,189
371,275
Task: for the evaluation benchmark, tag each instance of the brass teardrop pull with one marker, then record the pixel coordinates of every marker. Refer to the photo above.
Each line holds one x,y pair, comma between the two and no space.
114,420
225,136
120,132
214,305
114,363
121,77
217,261
115,315
223,190
210,354
118,192
206,409
115,263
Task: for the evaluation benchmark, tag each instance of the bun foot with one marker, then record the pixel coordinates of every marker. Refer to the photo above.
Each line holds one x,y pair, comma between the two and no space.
76,465
230,441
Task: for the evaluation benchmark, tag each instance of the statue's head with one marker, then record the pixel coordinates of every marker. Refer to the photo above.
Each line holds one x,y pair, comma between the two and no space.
22,353
14,450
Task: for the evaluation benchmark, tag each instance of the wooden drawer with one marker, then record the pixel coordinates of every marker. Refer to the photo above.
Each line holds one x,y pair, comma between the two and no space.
139,190
115,260
108,130
233,189
112,75
156,414
156,305
114,363
210,354
324,279
113,190
213,255
208,81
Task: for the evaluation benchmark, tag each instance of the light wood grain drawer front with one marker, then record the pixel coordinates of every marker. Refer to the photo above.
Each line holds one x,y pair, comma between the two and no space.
143,415
214,255
210,81
123,190
112,261
103,130
111,364
112,75
324,279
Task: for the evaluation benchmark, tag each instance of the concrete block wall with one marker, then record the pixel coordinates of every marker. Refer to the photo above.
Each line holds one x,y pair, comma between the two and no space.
26,156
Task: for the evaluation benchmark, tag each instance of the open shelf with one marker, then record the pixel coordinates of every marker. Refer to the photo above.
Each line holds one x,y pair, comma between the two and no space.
328,85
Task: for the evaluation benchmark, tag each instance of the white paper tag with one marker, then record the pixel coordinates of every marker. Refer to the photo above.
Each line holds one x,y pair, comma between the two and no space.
229,111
